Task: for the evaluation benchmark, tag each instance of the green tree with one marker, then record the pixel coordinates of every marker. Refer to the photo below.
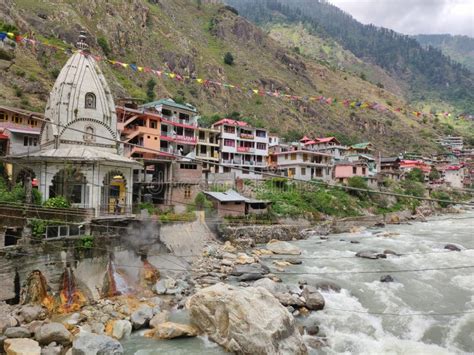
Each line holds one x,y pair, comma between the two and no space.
102,42
416,175
229,58
150,89
358,182
434,174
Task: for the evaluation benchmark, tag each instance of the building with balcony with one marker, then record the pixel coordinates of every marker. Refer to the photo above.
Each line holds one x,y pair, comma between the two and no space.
451,142
243,149
329,145
295,160
207,149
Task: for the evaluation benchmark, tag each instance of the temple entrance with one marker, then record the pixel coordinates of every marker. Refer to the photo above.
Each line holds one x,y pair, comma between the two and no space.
71,184
114,193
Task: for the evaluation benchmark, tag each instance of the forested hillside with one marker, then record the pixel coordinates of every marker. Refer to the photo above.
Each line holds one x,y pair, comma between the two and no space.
430,75
459,48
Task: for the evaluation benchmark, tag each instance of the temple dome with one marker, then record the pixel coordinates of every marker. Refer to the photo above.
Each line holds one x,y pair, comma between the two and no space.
81,100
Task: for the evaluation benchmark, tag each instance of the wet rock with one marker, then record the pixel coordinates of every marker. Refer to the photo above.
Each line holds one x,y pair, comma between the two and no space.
452,247
21,346
312,329
53,332
314,300
245,320
355,242
31,313
17,332
370,254
170,330
386,278
250,277
121,329
390,252
327,286
159,318
271,286
141,317
91,344
287,299
280,247
294,261
315,343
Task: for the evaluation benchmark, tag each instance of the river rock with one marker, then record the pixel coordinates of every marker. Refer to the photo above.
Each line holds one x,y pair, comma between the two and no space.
271,286
287,299
279,247
7,321
2,341
324,285
17,332
52,349
159,318
121,329
245,320
91,344
50,332
256,268
452,247
294,261
386,278
170,330
370,254
141,317
30,313
21,346
314,300
390,252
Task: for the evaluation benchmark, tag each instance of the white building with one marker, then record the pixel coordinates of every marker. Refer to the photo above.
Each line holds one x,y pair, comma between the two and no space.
79,157
242,147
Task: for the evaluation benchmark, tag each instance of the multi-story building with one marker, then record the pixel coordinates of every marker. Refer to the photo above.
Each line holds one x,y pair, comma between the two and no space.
452,143
329,145
244,149
207,148
20,131
297,161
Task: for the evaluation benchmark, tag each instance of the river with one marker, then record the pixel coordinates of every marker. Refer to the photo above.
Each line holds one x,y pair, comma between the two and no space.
352,319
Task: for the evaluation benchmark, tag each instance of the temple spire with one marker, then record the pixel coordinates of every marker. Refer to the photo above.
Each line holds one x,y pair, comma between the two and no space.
81,43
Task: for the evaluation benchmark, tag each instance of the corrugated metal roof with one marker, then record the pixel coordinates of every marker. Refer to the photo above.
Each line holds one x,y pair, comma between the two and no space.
228,196
170,102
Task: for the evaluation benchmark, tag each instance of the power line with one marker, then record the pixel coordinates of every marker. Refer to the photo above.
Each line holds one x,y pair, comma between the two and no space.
398,314
258,173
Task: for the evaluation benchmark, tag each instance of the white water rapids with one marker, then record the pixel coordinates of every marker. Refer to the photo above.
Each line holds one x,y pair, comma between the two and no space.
346,321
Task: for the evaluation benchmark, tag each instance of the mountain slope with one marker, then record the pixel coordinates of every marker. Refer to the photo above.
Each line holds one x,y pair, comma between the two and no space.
429,74
191,39
458,48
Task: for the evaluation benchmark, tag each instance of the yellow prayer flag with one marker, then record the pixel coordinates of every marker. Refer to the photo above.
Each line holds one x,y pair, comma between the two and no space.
140,68
11,35
172,75
255,91
125,65
199,80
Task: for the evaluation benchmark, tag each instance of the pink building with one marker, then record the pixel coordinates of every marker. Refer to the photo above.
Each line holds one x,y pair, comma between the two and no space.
344,170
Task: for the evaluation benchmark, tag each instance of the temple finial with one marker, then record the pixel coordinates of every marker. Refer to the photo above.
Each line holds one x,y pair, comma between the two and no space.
81,43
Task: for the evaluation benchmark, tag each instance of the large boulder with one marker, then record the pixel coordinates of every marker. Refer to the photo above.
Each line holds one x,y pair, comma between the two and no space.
170,330
141,317
21,346
159,318
245,320
121,329
17,332
271,286
30,313
313,299
250,271
53,332
92,344
279,247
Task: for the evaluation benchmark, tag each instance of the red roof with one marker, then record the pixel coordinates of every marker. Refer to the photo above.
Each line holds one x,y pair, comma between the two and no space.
3,136
230,122
310,142
304,139
327,139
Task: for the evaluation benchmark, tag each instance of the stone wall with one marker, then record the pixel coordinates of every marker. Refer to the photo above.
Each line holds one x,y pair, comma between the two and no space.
261,233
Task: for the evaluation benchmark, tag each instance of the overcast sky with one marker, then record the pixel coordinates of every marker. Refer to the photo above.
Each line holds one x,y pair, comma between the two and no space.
414,16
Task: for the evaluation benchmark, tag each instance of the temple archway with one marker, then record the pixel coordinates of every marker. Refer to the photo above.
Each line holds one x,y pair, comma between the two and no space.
71,184
114,193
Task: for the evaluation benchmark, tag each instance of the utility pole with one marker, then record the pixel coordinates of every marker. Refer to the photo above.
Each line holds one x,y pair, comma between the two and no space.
28,189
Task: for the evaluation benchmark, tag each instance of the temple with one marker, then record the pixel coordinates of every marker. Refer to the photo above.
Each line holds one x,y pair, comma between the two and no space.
80,155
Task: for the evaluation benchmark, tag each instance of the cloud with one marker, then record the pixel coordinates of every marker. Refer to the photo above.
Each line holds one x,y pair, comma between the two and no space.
414,16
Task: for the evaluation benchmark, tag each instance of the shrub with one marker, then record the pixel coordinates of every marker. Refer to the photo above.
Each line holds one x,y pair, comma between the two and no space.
57,202
416,174
358,182
442,195
201,202
229,58
87,242
102,42
38,227
147,206
150,89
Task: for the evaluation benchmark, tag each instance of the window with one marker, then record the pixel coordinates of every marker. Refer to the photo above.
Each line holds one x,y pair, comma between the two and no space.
261,146
293,156
202,135
305,157
89,135
188,166
260,133
291,172
354,170
229,129
363,171
3,116
303,171
286,156
17,119
153,124
30,141
90,101
203,149
229,142
25,141
187,191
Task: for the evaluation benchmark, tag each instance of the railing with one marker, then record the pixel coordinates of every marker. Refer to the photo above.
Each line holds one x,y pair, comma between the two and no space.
175,119
111,209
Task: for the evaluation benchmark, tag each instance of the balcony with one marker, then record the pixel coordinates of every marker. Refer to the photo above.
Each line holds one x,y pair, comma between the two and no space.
172,136
191,122
245,149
